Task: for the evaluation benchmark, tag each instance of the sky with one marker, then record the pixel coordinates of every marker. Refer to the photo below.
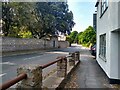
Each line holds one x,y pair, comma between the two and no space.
82,12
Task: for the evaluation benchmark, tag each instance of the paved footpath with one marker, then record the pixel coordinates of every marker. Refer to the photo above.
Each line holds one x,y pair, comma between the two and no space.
88,74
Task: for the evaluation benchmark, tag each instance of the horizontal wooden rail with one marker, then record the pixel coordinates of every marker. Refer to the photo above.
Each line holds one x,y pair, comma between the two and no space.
13,81
51,63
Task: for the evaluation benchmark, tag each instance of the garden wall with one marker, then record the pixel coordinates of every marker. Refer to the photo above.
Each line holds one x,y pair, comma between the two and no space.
15,44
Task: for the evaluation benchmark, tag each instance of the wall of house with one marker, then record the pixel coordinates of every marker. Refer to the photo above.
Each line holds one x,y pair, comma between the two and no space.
104,63
119,56
114,55
15,44
105,25
109,20
119,39
119,14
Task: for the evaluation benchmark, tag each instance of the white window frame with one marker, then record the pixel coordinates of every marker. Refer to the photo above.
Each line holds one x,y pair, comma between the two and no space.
102,46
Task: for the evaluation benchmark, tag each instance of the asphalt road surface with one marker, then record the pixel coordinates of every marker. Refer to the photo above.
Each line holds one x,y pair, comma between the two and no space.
10,63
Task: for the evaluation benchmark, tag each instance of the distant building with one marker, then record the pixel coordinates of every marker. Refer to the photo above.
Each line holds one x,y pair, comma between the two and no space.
108,38
1,32
95,21
62,38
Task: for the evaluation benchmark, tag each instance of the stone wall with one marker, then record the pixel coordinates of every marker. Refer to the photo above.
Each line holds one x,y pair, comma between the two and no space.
63,44
15,44
65,67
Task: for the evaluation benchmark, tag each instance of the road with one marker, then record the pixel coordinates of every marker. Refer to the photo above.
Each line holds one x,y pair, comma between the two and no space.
10,64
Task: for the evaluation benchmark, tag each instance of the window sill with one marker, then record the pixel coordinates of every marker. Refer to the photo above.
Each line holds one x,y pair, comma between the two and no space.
103,58
103,12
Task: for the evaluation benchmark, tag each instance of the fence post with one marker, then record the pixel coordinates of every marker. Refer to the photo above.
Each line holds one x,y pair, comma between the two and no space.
34,77
62,67
77,55
71,59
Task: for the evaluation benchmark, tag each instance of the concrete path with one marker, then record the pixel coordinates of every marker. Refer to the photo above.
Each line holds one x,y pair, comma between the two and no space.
88,74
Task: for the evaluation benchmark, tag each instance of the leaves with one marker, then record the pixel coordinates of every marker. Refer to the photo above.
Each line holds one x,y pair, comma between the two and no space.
85,38
39,18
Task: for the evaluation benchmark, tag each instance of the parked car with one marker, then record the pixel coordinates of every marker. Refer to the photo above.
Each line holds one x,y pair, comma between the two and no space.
93,50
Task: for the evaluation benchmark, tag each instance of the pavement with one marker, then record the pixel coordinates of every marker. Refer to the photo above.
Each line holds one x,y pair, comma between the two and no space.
88,74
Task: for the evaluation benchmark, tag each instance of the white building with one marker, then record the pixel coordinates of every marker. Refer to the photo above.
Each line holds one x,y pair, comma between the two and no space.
108,38
61,38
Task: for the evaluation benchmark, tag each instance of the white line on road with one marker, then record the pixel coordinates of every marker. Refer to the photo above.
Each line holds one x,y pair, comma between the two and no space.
2,74
31,58
8,63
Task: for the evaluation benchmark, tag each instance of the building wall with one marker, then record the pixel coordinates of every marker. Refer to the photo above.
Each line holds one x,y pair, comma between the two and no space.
119,57
61,38
107,24
119,14
15,44
114,55
109,21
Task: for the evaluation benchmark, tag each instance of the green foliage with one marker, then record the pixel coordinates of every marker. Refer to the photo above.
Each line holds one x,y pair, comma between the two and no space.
39,18
87,37
72,38
55,18
16,15
68,38
79,37
24,33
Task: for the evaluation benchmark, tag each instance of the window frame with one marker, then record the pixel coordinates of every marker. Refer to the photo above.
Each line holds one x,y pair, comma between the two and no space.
102,47
104,7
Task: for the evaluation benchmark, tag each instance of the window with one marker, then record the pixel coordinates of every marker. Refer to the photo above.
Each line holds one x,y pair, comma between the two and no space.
102,46
104,6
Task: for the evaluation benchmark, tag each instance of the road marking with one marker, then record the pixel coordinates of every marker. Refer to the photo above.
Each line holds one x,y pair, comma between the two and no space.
8,63
2,74
31,58
57,52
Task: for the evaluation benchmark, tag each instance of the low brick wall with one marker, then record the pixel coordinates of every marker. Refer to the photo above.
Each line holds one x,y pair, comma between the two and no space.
15,44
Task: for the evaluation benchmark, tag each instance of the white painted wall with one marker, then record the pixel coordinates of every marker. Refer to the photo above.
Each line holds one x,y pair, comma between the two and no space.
109,22
119,56
119,14
114,55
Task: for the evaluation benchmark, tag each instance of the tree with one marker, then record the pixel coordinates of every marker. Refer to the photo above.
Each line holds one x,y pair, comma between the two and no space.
7,17
79,37
87,37
16,15
39,18
73,36
69,39
55,18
